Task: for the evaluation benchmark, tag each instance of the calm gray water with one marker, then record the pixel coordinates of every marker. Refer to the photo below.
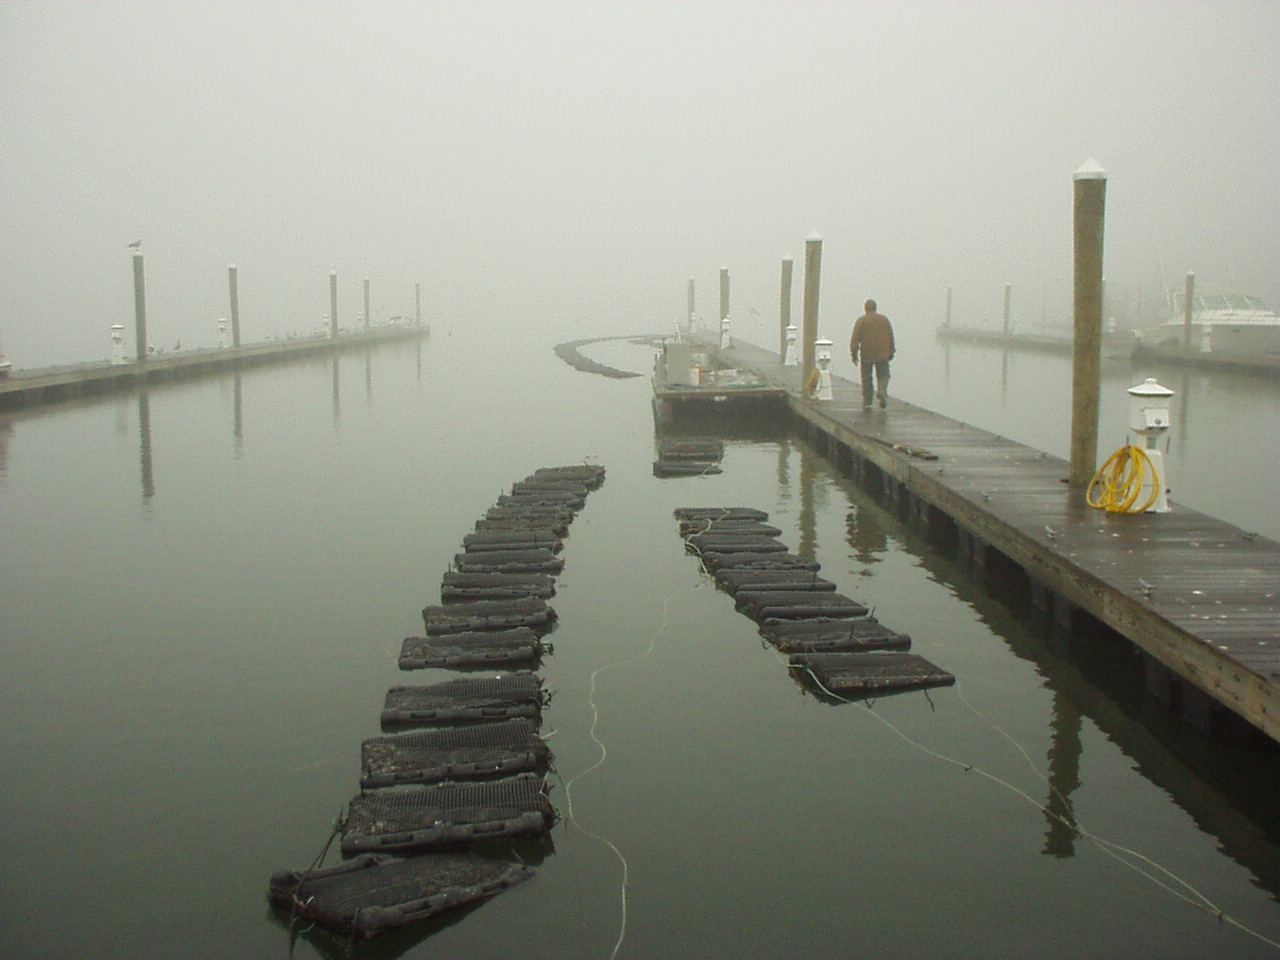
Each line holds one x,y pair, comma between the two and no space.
200,621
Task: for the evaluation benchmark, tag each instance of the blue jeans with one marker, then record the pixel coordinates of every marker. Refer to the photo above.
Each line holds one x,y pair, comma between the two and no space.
880,368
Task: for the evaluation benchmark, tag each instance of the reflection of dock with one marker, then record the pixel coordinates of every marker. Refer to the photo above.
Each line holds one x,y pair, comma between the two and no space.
31,387
1197,595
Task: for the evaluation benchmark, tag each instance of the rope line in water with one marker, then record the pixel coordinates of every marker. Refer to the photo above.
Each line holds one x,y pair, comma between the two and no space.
604,753
1109,847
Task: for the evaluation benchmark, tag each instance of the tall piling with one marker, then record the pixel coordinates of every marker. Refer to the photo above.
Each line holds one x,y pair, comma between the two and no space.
1008,297
784,305
689,306
812,284
1090,195
140,306
417,303
333,304
366,303
233,282
946,322
724,292
1188,298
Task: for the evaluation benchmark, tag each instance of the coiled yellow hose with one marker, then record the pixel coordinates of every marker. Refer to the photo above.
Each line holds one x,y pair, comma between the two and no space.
1118,482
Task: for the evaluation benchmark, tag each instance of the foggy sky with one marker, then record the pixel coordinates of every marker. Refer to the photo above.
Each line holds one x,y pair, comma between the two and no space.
568,166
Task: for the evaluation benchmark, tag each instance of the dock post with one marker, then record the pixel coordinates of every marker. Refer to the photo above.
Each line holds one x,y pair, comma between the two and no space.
812,284
333,304
366,303
947,320
140,306
233,280
784,305
1188,297
417,303
724,292
117,344
689,307
1090,190
1008,296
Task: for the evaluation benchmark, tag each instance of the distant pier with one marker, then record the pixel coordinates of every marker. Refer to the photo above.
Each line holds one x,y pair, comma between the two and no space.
26,388
1199,597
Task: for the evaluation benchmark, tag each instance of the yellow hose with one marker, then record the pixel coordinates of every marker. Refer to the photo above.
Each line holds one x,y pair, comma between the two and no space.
1119,482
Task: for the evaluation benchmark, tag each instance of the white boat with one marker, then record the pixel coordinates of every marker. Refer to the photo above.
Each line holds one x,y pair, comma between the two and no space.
1222,324
5,365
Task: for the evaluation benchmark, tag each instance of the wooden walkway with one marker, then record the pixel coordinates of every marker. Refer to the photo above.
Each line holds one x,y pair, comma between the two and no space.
1200,596
25,388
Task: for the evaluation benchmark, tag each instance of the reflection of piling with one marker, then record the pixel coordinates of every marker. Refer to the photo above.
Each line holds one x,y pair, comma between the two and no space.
144,431
1188,295
724,292
140,306
234,281
812,284
333,304
1090,188
784,305
1064,778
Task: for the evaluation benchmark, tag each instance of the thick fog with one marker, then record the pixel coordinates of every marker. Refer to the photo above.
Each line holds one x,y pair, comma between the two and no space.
570,166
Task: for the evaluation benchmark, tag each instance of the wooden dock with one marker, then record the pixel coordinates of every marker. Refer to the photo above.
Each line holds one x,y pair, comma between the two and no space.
33,387
1199,596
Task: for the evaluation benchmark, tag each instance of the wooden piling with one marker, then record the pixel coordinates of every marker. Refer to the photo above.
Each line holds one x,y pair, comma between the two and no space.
366,303
234,282
784,306
1008,297
140,306
1188,297
417,303
812,284
689,306
1090,190
947,320
724,292
333,304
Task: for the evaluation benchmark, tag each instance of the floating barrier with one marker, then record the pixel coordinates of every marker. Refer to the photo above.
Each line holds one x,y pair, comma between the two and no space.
534,523
426,817
467,698
685,468
765,605
830,636
479,542
538,560
690,448
735,527
471,649
590,474
715,560
555,499
470,587
733,579
728,543
871,674
720,513
370,894
487,615
460,753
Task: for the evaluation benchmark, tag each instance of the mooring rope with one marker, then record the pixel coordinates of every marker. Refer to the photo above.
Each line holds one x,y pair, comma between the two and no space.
604,752
1109,847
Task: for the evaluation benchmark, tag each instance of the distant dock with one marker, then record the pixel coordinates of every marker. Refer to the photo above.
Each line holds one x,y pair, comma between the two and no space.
25,388
1199,597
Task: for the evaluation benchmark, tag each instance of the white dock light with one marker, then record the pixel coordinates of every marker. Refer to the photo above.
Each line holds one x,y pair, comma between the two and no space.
222,333
823,350
724,333
792,359
117,344
1149,418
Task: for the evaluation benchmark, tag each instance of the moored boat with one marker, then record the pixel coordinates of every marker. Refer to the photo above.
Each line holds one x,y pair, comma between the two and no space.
1222,324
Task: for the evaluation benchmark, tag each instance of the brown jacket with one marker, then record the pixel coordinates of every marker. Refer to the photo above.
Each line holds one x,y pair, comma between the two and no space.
873,337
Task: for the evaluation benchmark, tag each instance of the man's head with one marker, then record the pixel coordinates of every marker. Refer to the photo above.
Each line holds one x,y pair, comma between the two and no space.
870,306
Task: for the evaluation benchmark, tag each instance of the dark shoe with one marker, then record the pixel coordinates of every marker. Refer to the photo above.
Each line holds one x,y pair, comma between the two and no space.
884,398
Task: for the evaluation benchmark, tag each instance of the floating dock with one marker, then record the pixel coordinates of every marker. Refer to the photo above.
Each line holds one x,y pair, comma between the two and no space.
1198,596
24,388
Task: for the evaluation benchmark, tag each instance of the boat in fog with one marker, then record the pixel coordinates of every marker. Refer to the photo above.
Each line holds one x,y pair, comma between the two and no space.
1222,324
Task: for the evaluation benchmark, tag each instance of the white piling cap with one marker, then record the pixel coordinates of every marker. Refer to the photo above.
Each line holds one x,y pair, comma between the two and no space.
789,258
231,266
814,236
1089,170
824,342
1150,388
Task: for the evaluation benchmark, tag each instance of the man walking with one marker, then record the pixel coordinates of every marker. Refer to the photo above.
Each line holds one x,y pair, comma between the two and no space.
873,339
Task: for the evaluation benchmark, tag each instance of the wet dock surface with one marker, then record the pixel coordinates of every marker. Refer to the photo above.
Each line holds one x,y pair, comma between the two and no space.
1199,596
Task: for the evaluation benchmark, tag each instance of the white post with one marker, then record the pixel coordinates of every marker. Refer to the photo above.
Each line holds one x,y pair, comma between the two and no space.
222,333
823,349
724,333
792,359
117,344
1149,418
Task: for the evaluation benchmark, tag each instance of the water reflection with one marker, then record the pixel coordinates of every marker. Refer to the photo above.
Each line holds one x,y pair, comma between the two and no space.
6,434
237,415
337,393
866,536
144,429
1064,777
